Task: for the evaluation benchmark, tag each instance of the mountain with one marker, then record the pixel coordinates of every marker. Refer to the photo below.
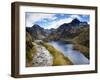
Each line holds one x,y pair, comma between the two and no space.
64,31
69,30
36,31
75,22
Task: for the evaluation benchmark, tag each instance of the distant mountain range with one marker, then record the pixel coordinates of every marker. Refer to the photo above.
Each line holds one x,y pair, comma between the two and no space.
66,30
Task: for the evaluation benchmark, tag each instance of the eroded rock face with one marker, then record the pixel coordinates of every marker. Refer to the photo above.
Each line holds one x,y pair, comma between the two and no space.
42,57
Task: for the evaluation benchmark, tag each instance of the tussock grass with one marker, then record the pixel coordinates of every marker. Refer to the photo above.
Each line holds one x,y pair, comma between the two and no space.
30,53
30,49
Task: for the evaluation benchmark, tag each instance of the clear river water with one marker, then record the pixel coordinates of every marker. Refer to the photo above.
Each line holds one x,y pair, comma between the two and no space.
67,49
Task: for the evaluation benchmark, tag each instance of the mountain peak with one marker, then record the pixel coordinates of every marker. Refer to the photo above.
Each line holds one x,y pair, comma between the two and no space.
35,25
75,21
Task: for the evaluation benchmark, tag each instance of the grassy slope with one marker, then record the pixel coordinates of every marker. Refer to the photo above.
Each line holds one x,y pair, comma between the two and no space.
59,58
81,42
30,50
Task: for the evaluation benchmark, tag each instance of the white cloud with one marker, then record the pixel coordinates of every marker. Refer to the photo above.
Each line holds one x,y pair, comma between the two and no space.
56,24
28,23
31,18
75,16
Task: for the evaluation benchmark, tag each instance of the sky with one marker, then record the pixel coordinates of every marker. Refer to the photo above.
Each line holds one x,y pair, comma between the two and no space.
48,21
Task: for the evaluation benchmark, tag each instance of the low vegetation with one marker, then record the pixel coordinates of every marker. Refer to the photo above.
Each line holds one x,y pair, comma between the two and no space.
30,50
58,57
81,42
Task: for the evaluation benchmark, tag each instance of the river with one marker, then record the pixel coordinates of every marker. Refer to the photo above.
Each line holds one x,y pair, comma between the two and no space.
67,49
